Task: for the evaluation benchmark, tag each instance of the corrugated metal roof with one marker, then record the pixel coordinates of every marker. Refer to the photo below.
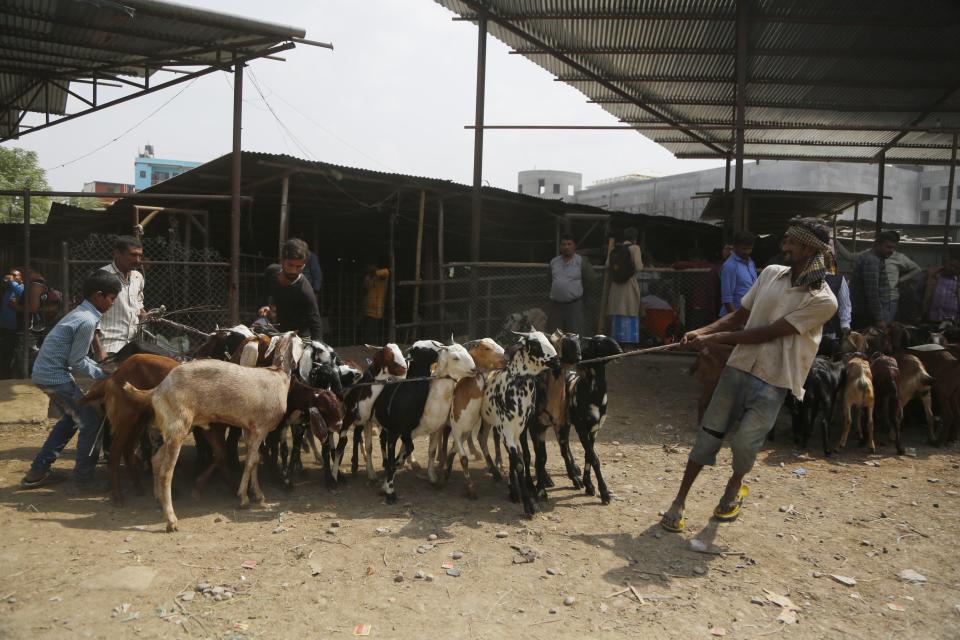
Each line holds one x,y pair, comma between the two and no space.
52,48
826,79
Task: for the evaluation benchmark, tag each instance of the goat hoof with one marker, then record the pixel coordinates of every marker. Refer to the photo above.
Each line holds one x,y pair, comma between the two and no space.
542,495
391,498
590,491
577,485
171,526
548,483
605,500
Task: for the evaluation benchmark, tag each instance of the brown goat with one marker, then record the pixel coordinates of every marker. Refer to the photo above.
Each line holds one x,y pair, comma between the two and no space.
886,388
858,396
128,419
915,383
945,369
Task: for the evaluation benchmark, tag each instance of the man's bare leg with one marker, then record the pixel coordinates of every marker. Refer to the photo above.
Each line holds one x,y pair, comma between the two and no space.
674,514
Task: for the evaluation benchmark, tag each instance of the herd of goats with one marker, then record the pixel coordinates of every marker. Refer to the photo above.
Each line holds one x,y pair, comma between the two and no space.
255,386
258,386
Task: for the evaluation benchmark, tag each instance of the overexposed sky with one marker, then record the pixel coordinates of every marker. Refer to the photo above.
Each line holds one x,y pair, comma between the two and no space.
393,96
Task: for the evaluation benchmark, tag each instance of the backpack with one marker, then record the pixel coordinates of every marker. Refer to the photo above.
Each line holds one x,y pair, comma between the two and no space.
621,266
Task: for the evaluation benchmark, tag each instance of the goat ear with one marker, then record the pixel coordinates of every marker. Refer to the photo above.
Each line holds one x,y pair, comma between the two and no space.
318,425
372,347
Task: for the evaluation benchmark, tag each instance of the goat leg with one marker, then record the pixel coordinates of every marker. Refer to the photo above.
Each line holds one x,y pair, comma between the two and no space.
869,431
491,466
587,439
171,451
476,455
540,449
847,422
213,437
573,471
464,463
391,465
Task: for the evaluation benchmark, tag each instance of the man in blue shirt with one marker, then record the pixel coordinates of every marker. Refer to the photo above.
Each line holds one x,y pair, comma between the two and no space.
64,351
738,273
12,290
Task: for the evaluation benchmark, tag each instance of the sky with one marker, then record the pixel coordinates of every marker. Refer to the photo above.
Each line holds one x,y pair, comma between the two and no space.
394,95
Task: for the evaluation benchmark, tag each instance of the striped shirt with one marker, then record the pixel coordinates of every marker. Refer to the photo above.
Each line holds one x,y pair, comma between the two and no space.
119,324
66,346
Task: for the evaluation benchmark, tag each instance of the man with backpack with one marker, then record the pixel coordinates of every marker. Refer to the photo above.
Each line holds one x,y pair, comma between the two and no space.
623,303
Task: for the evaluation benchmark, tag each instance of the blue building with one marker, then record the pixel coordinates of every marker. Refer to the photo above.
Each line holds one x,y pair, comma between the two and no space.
149,170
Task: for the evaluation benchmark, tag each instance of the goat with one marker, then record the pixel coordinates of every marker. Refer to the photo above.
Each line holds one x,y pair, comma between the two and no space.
508,401
407,410
128,420
465,409
552,412
587,388
858,397
945,369
886,388
206,391
320,410
386,364
821,388
915,384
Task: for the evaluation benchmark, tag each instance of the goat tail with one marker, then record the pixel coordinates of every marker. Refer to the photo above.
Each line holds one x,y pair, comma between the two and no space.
137,396
926,379
96,393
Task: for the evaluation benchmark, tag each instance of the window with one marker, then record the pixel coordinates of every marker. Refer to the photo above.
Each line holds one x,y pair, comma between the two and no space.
924,217
941,215
159,176
943,193
519,188
143,174
925,193
541,186
570,189
556,189
958,193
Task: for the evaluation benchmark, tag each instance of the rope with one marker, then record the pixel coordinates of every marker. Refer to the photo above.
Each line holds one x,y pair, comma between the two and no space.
627,354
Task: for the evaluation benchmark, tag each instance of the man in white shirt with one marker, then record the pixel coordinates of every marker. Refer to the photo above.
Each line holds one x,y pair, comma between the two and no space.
782,316
119,324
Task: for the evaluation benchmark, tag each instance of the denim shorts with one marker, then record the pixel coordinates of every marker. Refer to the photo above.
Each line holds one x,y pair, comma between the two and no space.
741,397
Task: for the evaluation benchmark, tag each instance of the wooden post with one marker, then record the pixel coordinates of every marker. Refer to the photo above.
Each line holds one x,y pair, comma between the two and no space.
65,277
415,313
950,194
856,226
440,262
392,329
880,181
27,287
284,213
602,315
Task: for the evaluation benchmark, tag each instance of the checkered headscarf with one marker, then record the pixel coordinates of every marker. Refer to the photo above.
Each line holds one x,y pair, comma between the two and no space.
811,232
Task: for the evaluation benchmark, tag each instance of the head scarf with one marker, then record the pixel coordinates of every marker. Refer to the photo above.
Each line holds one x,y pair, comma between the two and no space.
811,233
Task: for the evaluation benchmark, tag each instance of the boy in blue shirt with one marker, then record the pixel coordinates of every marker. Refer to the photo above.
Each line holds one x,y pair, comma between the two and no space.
12,291
738,272
65,350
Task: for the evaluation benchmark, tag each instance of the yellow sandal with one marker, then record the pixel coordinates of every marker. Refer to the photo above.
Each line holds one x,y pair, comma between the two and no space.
732,514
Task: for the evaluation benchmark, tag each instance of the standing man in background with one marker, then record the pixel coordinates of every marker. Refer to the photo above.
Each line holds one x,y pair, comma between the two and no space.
571,276
738,272
941,291
871,287
375,288
313,274
118,326
900,270
12,291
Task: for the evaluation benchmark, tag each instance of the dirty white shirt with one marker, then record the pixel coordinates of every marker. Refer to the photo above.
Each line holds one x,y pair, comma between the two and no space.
119,324
784,362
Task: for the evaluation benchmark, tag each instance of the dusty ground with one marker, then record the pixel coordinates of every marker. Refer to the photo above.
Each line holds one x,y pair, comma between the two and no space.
67,562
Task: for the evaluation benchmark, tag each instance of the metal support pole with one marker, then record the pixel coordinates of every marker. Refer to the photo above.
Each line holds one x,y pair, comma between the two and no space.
27,288
233,302
65,277
477,201
950,194
285,214
739,217
880,172
415,313
392,329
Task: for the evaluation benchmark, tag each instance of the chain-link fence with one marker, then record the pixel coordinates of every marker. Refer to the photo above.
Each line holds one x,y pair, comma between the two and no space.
512,296
192,283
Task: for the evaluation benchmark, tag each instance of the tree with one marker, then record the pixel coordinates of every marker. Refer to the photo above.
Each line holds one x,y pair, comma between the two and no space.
19,169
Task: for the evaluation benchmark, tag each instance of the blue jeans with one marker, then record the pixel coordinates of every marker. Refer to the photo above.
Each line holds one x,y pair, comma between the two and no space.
738,396
66,397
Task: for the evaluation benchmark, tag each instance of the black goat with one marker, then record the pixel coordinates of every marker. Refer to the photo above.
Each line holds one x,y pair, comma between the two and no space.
821,388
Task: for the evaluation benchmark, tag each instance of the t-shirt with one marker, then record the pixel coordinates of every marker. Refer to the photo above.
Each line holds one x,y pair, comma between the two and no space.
8,315
784,362
296,305
119,324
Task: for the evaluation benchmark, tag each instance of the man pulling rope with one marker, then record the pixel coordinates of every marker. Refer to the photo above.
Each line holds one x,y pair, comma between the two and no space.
782,316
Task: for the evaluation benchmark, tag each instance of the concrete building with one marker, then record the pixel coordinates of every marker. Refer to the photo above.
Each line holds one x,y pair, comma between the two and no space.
149,170
547,183
98,186
918,194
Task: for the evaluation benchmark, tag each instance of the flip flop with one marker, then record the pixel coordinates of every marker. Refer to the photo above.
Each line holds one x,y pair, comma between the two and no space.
731,515
681,524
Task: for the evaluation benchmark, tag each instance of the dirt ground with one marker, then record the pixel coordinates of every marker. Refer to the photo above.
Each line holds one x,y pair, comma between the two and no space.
326,562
